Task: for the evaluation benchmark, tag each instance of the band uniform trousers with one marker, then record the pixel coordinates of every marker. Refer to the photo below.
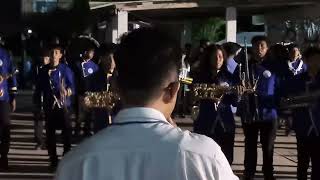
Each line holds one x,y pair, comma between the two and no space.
4,128
38,127
308,148
58,119
267,131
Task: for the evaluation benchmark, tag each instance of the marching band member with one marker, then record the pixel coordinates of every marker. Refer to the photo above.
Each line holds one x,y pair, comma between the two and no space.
89,79
258,112
294,81
56,83
38,102
306,121
8,90
216,119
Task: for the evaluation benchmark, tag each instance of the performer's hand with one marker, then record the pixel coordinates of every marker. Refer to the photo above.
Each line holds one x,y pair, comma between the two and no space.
67,92
13,105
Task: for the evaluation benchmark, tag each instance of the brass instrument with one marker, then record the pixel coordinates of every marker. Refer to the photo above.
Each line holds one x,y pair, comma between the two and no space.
300,101
5,77
186,80
248,81
308,101
103,99
108,99
216,92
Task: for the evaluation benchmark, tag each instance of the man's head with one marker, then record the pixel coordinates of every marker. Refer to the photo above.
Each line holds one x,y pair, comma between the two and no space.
148,62
312,58
56,54
294,52
88,53
260,46
213,58
232,49
45,57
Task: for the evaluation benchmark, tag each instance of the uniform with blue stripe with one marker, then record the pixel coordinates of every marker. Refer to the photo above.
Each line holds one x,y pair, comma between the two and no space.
89,77
294,83
50,84
261,116
8,90
8,86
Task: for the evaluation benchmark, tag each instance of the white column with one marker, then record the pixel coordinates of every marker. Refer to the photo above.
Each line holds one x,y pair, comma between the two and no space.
231,24
186,33
117,27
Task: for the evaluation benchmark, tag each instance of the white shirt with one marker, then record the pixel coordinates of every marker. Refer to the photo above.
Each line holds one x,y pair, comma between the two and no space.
150,150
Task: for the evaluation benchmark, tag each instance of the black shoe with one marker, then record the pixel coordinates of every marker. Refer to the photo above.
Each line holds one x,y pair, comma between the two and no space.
4,165
269,177
246,177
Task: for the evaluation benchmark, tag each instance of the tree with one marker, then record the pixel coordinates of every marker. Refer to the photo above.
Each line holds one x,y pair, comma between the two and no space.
212,29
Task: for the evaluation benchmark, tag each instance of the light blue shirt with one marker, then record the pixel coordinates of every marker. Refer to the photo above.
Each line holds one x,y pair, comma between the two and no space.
231,65
142,145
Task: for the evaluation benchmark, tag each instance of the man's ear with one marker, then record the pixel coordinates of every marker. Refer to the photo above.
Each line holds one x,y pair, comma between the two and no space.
171,92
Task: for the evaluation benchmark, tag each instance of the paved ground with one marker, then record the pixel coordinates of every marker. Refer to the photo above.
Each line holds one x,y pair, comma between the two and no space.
28,163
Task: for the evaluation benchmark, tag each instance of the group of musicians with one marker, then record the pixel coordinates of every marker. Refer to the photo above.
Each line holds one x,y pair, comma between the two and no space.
272,73
269,74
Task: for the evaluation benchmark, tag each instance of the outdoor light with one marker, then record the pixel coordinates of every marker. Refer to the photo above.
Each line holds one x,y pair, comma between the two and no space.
29,31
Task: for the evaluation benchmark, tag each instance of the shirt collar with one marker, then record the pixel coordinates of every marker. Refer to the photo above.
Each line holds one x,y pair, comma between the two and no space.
231,65
143,114
86,61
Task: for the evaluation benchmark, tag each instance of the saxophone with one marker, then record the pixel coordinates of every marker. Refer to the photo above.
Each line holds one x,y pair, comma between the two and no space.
103,99
108,99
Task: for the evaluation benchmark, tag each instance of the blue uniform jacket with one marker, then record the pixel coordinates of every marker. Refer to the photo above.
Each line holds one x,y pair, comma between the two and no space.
49,84
294,78
9,85
89,77
267,91
293,82
208,115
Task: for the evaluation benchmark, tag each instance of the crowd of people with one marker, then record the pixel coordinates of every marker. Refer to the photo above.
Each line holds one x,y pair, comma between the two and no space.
138,139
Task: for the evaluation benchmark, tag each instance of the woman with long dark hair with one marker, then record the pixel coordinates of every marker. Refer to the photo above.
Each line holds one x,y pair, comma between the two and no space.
216,119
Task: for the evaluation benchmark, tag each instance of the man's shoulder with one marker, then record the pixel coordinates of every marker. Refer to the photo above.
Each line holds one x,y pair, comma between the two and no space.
198,144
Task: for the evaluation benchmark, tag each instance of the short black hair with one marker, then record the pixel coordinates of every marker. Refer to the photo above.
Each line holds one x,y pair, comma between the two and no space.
56,46
292,46
260,38
231,48
145,58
